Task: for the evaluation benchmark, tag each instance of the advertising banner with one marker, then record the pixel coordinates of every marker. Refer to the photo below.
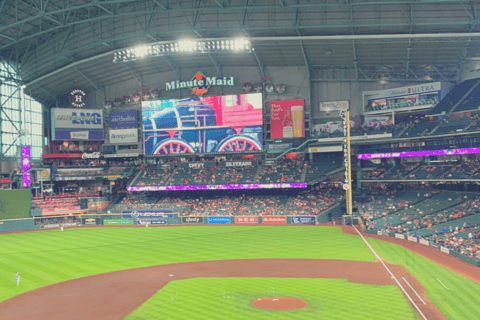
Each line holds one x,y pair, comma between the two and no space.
435,246
203,124
123,136
123,119
303,220
64,118
152,221
118,222
325,149
219,220
334,106
274,219
425,242
65,134
89,221
196,165
43,175
446,250
26,165
273,146
287,119
246,219
229,164
147,212
412,238
192,219
422,153
220,187
399,236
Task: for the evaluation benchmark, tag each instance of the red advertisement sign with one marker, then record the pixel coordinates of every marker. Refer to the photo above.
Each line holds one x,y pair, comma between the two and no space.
287,119
246,219
274,219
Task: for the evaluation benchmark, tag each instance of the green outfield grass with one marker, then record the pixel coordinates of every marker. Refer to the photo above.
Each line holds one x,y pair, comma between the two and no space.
49,257
459,302
230,298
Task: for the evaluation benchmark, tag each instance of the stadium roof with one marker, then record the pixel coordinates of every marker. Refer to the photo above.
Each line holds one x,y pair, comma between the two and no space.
58,44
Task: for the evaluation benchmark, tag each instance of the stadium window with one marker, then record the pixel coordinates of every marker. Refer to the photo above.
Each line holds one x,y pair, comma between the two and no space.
11,117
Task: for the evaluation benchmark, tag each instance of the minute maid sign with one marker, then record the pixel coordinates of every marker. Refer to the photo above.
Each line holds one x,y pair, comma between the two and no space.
200,84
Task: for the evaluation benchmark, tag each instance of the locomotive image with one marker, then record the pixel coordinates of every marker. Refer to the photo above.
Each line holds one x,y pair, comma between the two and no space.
210,124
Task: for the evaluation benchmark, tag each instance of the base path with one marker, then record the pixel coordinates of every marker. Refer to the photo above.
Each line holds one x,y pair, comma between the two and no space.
115,295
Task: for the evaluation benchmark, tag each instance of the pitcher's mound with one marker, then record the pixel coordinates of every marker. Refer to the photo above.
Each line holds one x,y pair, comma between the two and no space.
279,303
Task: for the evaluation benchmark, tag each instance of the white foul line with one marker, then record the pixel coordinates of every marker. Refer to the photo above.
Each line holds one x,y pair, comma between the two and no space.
391,274
442,284
413,290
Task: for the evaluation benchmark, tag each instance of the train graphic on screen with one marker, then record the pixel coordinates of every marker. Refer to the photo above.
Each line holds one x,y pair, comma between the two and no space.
230,123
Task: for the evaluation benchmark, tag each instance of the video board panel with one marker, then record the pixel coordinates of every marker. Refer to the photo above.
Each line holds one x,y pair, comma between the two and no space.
231,123
287,119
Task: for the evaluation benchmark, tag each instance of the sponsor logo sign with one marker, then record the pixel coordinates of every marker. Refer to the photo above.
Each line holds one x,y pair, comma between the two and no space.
219,220
399,236
287,119
94,155
246,219
303,220
118,222
446,250
65,134
75,119
113,177
152,221
123,136
220,187
422,88
192,219
325,149
77,98
425,242
282,146
89,221
43,175
412,238
123,119
200,84
433,245
5,180
334,105
274,219
26,177
422,153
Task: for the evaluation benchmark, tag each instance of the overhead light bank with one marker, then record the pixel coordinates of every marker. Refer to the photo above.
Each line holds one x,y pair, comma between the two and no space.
182,47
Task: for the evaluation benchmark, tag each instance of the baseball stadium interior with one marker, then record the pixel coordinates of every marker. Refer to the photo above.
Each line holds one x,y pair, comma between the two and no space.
292,112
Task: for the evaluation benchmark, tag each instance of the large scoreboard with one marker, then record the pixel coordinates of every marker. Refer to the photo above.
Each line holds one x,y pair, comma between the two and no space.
230,123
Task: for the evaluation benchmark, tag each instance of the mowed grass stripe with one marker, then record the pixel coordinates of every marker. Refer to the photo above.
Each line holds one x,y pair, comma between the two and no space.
230,298
52,256
460,302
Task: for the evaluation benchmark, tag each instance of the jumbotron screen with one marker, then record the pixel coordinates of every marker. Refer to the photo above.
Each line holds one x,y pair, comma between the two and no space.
232,123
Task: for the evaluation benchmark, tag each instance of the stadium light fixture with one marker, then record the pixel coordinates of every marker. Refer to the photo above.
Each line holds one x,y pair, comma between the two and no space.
182,47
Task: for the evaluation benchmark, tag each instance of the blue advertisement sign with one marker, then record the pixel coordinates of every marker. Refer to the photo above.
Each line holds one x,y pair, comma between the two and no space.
303,220
218,220
123,119
66,134
152,222
279,146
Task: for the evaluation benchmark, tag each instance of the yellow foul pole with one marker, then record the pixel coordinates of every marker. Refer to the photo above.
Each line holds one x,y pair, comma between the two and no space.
347,186
349,191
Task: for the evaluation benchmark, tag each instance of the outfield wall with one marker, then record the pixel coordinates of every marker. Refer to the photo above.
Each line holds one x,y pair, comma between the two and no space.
14,204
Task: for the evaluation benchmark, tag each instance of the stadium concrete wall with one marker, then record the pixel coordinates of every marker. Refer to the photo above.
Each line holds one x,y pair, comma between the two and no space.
14,204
